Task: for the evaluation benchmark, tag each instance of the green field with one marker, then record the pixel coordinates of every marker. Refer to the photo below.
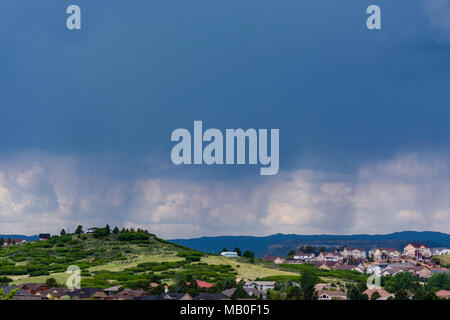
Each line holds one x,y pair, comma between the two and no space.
247,270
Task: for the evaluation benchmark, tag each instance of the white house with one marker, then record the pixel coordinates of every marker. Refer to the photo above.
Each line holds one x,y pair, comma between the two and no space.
260,285
375,268
304,256
440,251
229,254
330,257
354,253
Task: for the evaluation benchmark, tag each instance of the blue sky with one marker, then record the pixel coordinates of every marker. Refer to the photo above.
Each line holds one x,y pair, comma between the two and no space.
87,115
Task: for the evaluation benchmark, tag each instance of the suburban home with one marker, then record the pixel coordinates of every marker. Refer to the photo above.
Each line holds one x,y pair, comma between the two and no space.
443,294
54,293
330,257
212,296
229,292
328,265
383,293
331,295
87,294
112,290
203,284
260,285
385,254
255,293
176,296
417,251
229,254
391,271
422,272
353,253
12,241
440,251
274,259
304,256
376,268
439,270
20,292
359,267
33,288
130,294
44,236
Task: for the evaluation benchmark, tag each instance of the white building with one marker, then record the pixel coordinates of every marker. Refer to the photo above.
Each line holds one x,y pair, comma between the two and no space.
260,285
440,251
229,254
304,256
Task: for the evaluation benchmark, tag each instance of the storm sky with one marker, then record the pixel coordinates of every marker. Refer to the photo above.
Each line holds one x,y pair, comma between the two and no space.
86,115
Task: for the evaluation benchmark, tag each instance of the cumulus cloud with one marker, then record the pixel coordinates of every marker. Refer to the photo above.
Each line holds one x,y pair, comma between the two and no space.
44,193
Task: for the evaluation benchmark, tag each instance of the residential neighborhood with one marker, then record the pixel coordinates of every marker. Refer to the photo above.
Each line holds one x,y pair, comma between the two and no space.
32,270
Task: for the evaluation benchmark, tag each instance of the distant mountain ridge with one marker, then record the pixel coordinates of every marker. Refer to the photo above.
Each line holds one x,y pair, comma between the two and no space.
19,236
280,244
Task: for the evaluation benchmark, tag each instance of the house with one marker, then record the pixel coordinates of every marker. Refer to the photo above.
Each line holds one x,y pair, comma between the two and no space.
358,267
255,293
385,254
328,265
391,271
53,293
295,261
176,296
439,270
12,241
330,257
338,266
212,296
229,292
20,292
331,295
33,288
440,251
130,294
112,290
304,256
260,285
353,253
383,293
417,251
422,272
91,230
44,236
87,294
274,259
229,254
443,294
203,284
376,268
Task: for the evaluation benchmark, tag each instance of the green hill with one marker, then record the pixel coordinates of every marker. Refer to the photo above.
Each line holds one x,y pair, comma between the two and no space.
132,259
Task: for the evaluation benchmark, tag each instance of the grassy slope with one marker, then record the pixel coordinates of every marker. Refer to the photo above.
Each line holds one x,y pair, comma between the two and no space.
247,270
156,252
445,258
